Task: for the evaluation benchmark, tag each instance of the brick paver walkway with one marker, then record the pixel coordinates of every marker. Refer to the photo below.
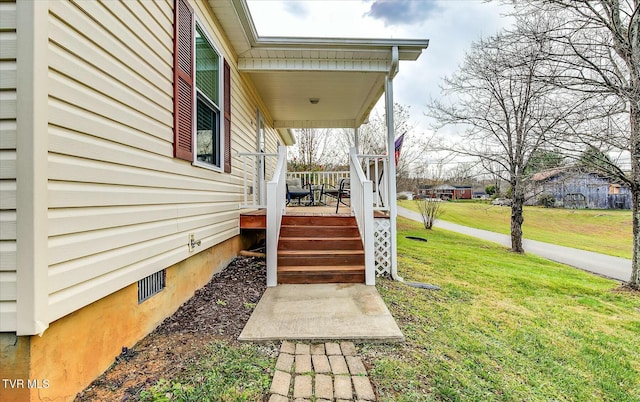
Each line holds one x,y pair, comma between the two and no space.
322,372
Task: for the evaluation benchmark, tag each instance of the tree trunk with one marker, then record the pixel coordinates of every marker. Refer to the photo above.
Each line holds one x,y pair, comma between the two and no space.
634,281
517,218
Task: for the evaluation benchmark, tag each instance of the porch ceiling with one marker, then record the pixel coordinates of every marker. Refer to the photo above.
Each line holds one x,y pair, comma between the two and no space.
345,75
344,98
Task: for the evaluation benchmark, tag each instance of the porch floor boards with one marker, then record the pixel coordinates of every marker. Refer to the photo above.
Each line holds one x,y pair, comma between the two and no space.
257,219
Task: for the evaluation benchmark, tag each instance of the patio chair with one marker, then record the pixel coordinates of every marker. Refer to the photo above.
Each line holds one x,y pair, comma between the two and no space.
340,193
295,190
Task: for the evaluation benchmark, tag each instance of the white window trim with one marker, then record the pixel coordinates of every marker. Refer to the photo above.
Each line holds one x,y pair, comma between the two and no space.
194,137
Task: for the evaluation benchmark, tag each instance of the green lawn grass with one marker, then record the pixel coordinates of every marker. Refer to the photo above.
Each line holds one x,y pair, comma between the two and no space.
225,371
602,231
504,327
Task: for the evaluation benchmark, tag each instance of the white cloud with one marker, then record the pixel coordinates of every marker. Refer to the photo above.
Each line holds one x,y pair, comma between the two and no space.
319,19
296,8
401,12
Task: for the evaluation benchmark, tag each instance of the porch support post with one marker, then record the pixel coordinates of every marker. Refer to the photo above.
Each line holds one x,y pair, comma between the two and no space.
356,139
391,166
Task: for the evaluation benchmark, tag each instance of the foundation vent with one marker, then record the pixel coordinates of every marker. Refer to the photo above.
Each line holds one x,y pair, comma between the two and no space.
151,285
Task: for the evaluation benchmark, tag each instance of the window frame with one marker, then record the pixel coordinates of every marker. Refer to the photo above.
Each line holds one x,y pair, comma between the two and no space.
198,23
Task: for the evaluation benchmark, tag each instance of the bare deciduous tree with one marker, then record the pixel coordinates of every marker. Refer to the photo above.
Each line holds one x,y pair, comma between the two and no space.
595,52
311,150
507,113
372,140
461,173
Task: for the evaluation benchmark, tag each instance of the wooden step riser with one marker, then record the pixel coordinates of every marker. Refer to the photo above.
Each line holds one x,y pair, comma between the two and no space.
320,244
319,220
319,231
323,260
327,277
253,221
301,236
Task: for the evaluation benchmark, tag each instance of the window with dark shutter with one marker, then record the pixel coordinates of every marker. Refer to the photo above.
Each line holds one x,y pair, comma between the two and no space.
183,88
208,85
227,117
202,94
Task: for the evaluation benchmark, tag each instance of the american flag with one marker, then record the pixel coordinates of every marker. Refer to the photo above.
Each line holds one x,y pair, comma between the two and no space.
398,146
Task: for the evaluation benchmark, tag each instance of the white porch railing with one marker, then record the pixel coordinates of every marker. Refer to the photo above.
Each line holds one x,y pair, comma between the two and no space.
253,166
317,178
375,169
362,209
276,194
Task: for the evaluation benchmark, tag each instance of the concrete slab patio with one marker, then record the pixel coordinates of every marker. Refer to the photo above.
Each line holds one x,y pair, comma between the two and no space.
322,312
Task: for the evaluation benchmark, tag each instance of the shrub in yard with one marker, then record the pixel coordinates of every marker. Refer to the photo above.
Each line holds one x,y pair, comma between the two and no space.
491,190
546,200
430,209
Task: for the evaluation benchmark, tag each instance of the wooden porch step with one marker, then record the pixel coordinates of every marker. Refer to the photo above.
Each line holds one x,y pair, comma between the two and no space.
320,243
319,231
320,268
321,274
253,219
316,220
320,249
320,257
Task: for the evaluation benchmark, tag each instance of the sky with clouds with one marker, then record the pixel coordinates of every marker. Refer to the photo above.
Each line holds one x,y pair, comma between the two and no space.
450,26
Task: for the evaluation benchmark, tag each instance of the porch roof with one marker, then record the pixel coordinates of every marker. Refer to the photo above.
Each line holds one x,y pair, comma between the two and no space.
346,76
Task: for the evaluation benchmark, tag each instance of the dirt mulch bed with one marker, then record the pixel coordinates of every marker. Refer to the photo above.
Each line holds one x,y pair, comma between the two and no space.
219,310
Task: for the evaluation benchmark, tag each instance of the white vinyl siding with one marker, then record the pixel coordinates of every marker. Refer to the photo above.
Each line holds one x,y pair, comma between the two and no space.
120,206
8,142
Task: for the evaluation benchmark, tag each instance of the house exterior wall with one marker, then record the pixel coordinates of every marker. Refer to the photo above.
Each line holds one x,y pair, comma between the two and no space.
8,185
447,192
462,193
80,346
118,206
582,190
86,114
594,190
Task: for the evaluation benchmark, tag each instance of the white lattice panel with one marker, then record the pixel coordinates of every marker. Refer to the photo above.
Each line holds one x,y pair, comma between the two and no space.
382,246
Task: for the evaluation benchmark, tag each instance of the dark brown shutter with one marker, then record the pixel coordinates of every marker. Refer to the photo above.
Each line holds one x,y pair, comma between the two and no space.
183,89
227,117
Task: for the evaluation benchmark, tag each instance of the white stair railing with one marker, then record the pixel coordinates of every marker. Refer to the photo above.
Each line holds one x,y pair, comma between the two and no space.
276,202
375,169
362,209
253,178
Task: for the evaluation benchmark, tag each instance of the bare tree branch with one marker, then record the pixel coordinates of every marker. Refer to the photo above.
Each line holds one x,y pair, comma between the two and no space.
507,113
594,54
